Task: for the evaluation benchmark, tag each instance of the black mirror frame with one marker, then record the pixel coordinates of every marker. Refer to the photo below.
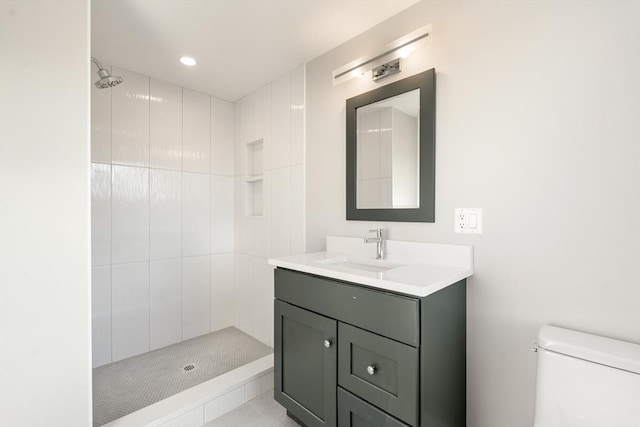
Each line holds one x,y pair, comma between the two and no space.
426,82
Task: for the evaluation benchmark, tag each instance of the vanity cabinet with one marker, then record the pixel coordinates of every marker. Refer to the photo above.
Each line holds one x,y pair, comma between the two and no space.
351,355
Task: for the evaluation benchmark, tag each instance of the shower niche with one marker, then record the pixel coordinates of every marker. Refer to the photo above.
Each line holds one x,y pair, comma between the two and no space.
254,179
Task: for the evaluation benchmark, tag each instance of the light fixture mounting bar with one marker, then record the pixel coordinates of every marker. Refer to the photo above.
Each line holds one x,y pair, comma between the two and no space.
344,72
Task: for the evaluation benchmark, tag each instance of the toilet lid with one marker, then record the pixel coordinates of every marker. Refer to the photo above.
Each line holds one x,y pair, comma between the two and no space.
606,351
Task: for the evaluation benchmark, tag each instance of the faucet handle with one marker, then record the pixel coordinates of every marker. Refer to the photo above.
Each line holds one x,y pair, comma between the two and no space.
378,231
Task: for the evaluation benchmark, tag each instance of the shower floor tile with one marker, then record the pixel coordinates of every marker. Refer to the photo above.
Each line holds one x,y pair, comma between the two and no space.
123,387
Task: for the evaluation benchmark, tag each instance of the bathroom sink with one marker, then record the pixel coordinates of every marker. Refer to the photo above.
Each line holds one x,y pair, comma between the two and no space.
371,265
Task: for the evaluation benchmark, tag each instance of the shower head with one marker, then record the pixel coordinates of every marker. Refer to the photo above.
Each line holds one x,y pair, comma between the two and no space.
106,79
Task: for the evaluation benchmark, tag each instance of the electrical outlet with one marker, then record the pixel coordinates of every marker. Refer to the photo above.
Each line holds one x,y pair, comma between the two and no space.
467,220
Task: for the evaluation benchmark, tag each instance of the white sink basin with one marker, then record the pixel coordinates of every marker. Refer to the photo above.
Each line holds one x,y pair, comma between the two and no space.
372,265
412,268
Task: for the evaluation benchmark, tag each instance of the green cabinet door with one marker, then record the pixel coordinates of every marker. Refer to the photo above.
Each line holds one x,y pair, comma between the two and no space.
305,351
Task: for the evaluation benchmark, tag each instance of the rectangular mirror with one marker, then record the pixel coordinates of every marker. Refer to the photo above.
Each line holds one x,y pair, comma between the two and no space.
391,152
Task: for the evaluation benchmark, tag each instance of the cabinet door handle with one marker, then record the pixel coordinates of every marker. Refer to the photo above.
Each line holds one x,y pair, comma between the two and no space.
327,343
371,369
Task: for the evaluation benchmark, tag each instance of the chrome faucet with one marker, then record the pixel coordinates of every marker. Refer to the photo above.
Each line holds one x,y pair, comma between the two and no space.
379,240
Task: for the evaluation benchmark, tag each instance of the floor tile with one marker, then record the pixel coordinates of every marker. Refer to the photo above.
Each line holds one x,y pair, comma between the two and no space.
262,411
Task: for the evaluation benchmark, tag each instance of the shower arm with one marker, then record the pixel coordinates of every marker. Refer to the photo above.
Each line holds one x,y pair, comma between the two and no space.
95,61
101,70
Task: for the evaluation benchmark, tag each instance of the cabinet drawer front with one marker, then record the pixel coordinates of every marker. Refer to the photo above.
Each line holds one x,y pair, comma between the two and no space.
381,371
305,364
352,304
354,412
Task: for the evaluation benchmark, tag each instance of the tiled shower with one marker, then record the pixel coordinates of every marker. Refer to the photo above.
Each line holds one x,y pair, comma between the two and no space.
178,249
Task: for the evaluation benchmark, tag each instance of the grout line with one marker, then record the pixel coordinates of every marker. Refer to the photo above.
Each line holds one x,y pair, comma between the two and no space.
182,217
160,169
149,240
111,221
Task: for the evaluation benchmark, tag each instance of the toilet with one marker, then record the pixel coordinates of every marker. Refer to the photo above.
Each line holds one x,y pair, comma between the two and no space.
586,380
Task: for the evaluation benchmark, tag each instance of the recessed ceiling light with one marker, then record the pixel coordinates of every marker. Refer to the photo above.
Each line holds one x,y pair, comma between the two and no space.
187,60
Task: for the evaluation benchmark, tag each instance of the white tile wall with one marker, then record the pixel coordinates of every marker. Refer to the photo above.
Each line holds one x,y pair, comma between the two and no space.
370,148
224,298
165,125
223,404
176,204
149,212
297,116
280,211
221,213
262,234
386,192
196,311
193,418
238,155
244,285
196,132
165,302
247,227
130,214
196,200
262,225
130,120
130,309
238,211
248,131
165,214
222,128
100,214
386,155
281,122
296,209
101,310
263,122
100,123
262,308
371,191
274,114
258,386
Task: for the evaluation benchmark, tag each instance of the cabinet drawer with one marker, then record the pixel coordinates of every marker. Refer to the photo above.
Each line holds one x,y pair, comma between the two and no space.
384,313
354,412
381,371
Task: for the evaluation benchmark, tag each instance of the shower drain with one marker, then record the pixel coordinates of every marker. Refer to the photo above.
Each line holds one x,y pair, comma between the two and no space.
188,368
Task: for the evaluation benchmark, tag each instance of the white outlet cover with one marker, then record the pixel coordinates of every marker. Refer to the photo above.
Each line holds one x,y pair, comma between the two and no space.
467,220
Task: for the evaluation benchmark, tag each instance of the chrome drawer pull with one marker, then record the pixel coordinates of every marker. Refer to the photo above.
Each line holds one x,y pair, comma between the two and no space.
371,369
327,343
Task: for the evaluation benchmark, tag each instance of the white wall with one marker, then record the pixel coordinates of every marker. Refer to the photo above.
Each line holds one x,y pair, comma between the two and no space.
45,350
162,216
538,107
273,117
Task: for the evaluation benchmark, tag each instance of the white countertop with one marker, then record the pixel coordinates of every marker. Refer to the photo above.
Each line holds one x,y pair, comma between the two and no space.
412,268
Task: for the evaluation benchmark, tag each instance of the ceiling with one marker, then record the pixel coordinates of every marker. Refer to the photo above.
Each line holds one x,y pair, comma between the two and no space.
240,45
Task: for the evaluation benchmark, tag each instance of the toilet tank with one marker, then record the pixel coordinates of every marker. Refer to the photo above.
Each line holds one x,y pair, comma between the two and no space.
586,380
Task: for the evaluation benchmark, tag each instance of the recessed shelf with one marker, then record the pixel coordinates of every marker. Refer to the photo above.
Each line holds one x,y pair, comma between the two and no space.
255,156
254,178
254,198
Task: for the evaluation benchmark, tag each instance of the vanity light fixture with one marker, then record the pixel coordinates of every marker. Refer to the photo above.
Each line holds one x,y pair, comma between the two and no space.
385,70
400,48
357,73
188,61
405,52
